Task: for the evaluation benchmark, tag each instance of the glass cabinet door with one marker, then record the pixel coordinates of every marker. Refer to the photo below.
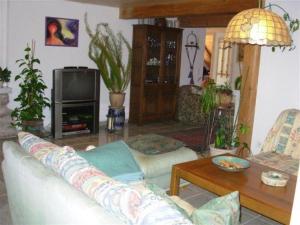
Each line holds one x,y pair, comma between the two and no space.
170,55
153,56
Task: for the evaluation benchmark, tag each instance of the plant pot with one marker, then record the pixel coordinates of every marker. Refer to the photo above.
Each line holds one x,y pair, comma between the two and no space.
33,126
224,99
116,99
218,151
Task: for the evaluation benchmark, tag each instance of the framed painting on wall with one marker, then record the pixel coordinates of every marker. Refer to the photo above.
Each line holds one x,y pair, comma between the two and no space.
61,32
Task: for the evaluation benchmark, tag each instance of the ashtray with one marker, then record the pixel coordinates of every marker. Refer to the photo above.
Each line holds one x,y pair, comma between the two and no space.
274,178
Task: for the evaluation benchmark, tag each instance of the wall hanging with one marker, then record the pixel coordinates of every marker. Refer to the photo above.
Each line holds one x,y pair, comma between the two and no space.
191,48
61,32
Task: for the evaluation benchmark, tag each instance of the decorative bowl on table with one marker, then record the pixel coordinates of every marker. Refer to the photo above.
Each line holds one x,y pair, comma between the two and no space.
274,178
230,163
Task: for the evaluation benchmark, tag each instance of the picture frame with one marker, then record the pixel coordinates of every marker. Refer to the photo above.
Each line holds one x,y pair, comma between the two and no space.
61,32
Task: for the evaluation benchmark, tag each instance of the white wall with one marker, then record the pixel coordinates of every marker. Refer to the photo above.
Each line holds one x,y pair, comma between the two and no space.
185,66
26,21
278,82
3,33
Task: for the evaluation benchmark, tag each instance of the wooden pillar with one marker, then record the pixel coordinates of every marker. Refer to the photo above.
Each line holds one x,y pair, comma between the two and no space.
249,89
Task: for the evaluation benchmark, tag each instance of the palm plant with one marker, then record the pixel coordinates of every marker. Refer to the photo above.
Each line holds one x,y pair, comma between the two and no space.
106,50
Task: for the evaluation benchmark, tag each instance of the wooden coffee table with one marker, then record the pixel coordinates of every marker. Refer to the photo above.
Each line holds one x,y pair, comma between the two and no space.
273,202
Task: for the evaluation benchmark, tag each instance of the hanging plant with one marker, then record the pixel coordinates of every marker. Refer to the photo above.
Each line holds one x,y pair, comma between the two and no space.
293,25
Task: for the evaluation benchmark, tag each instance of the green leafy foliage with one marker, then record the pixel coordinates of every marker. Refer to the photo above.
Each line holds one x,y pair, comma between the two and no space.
31,98
5,75
238,83
293,25
224,88
208,97
106,50
228,133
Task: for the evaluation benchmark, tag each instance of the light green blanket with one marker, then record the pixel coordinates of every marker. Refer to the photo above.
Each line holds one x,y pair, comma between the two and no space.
115,160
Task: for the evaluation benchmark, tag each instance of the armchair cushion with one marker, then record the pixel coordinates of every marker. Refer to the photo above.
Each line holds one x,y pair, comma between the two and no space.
277,161
284,136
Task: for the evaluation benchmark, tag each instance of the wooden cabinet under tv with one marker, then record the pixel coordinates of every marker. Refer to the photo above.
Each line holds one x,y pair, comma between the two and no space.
155,73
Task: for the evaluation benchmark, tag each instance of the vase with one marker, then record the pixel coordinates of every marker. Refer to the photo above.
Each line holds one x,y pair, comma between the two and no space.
116,99
224,100
218,151
33,126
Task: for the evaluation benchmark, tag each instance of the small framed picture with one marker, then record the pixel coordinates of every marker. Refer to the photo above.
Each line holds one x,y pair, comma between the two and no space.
61,32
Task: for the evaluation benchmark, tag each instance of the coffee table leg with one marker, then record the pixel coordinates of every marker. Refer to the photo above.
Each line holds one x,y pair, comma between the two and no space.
174,186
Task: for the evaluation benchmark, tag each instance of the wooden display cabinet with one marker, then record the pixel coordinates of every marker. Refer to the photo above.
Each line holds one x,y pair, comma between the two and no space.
155,73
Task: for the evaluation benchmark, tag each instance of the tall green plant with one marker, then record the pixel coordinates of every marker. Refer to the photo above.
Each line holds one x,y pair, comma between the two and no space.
31,98
208,97
106,50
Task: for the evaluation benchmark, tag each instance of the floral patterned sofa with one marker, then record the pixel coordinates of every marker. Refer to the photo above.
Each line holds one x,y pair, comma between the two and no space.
49,184
281,149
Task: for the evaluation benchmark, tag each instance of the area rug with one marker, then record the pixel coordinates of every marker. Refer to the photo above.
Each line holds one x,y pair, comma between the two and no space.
193,138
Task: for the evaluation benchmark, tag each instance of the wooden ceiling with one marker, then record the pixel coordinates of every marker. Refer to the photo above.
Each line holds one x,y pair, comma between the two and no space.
209,12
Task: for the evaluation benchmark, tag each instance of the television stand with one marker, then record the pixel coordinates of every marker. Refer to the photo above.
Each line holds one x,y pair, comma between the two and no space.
76,118
75,101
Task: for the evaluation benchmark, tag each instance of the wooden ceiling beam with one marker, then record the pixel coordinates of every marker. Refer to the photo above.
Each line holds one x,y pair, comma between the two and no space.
209,20
188,7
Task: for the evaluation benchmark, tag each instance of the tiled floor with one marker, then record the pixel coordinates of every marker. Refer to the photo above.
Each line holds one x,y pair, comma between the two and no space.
197,197
192,194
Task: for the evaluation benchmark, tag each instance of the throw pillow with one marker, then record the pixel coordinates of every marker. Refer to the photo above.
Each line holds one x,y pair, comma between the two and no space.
224,210
153,144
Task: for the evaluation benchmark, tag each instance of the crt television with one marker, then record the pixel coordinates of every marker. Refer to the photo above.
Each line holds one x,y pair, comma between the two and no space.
76,84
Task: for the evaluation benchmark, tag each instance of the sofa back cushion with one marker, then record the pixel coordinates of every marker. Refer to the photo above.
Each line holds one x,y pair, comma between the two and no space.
284,136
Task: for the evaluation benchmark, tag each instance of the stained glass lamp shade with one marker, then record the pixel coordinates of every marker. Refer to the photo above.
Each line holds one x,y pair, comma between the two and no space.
258,26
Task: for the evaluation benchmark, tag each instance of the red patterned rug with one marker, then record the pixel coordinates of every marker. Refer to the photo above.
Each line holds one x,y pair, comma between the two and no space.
193,138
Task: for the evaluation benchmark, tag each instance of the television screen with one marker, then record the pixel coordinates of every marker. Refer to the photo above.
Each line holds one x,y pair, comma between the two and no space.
78,85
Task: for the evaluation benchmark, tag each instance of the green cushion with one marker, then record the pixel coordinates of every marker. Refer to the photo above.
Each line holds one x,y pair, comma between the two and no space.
115,160
153,144
224,210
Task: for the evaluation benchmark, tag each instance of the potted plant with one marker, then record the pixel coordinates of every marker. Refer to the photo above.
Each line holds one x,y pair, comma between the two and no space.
227,136
4,76
213,96
224,95
29,115
106,49
224,130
